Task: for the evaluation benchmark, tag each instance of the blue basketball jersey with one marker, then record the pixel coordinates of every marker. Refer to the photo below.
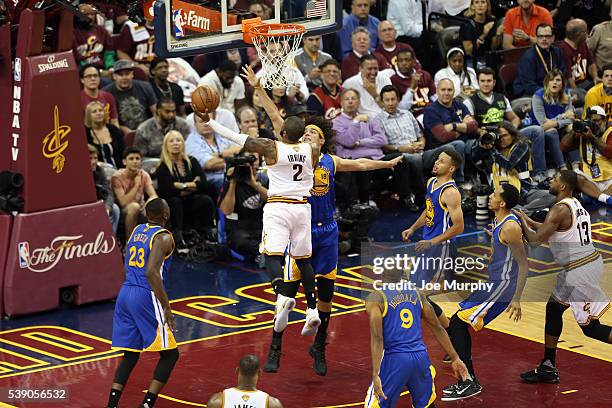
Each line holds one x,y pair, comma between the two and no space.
138,249
437,218
402,322
322,196
503,266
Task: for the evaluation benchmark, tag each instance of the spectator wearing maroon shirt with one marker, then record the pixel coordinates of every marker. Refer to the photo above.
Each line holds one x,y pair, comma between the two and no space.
136,44
324,100
90,79
388,47
112,12
416,86
360,41
577,56
91,43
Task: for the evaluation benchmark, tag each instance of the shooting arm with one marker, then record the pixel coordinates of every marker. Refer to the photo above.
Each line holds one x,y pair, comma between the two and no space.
452,199
238,138
265,148
271,109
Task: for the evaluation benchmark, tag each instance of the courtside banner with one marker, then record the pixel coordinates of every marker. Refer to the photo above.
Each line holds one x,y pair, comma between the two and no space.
189,17
55,249
48,134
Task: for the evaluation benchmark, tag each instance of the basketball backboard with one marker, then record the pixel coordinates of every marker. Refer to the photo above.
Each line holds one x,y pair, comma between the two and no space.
189,27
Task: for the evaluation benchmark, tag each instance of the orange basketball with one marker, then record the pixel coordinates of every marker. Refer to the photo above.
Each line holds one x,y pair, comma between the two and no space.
205,99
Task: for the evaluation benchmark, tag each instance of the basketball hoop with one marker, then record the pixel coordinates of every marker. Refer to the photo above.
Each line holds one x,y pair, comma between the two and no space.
276,45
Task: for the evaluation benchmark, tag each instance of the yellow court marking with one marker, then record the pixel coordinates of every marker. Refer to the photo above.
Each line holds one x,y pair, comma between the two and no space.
5,405
180,401
569,391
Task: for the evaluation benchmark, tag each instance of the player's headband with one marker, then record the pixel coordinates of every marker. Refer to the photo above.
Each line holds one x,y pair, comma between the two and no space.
316,129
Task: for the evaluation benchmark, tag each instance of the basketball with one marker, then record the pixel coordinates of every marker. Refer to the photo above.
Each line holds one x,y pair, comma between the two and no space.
205,99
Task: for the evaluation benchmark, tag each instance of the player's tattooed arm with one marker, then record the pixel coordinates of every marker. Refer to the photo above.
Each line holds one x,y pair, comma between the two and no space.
558,215
162,246
441,335
265,148
267,103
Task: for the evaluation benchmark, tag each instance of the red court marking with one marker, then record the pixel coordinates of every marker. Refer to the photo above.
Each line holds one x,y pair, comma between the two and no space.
208,366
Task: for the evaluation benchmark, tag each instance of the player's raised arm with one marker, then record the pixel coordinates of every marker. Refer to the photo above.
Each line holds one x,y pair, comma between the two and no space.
429,316
266,102
161,246
553,220
374,308
512,234
365,164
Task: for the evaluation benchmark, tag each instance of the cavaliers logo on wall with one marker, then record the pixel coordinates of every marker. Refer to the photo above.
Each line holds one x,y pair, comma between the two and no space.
55,142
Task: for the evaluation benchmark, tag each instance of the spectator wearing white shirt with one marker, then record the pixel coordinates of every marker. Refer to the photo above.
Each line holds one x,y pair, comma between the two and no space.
369,82
463,77
407,18
210,150
228,85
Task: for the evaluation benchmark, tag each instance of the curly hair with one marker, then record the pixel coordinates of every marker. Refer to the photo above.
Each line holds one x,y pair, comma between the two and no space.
328,132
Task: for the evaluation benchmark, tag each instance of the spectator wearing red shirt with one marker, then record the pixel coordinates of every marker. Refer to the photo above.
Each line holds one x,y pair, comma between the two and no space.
578,58
136,44
415,85
324,100
90,79
360,40
91,43
521,22
388,47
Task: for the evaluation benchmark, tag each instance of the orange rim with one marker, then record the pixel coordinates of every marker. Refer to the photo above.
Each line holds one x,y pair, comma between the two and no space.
263,30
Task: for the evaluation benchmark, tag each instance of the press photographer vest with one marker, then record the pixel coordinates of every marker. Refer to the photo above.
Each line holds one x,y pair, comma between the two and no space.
515,176
593,163
489,113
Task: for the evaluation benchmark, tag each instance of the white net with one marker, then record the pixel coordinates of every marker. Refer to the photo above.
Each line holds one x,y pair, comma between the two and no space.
276,46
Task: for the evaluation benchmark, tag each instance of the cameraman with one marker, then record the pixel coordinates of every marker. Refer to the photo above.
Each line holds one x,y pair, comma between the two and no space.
508,153
592,139
243,197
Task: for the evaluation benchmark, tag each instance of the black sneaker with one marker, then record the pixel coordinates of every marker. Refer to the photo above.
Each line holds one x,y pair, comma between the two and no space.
447,359
461,390
273,360
317,352
543,374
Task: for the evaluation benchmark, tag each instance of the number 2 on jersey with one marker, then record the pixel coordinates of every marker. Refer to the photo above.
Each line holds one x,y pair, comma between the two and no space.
407,319
134,260
298,172
584,239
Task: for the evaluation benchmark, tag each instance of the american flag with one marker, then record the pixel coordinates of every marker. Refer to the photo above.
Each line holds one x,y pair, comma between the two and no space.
316,8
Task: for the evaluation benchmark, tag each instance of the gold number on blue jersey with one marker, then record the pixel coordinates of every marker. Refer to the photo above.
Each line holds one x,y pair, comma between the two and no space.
134,260
407,319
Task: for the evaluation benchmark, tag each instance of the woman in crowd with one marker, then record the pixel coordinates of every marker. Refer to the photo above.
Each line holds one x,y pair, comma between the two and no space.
107,138
480,37
463,77
181,182
551,108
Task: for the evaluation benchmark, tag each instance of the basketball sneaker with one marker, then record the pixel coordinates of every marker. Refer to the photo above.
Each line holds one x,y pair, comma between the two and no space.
284,306
312,322
461,390
544,373
273,362
317,352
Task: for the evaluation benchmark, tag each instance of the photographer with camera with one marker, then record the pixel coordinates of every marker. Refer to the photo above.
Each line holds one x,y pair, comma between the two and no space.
244,194
507,151
591,137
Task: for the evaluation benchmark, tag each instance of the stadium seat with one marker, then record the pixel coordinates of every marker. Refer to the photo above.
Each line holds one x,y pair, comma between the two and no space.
507,75
447,39
199,64
140,75
578,95
521,106
129,139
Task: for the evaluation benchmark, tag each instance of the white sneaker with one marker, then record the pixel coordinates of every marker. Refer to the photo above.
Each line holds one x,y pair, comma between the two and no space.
284,306
312,322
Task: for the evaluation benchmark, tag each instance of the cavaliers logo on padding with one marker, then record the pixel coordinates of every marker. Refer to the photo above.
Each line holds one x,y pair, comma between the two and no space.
320,186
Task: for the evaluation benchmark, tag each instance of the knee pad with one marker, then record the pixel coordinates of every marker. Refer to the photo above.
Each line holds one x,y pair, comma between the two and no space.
597,331
167,360
290,289
325,289
130,358
554,318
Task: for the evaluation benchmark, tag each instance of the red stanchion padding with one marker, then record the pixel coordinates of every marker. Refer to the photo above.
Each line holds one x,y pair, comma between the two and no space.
6,87
51,150
59,251
5,234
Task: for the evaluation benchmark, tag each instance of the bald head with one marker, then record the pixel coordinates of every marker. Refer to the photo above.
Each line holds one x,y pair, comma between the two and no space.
445,91
387,33
576,30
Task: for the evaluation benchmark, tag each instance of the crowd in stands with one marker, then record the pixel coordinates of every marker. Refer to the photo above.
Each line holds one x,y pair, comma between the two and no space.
508,93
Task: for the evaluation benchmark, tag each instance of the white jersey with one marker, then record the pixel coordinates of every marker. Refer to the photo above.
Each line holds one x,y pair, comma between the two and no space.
575,243
291,177
235,398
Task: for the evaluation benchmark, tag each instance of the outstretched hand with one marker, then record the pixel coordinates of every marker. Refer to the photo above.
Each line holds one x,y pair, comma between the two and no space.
394,162
202,115
250,76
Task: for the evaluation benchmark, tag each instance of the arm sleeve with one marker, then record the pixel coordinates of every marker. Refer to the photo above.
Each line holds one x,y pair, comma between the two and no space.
235,137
